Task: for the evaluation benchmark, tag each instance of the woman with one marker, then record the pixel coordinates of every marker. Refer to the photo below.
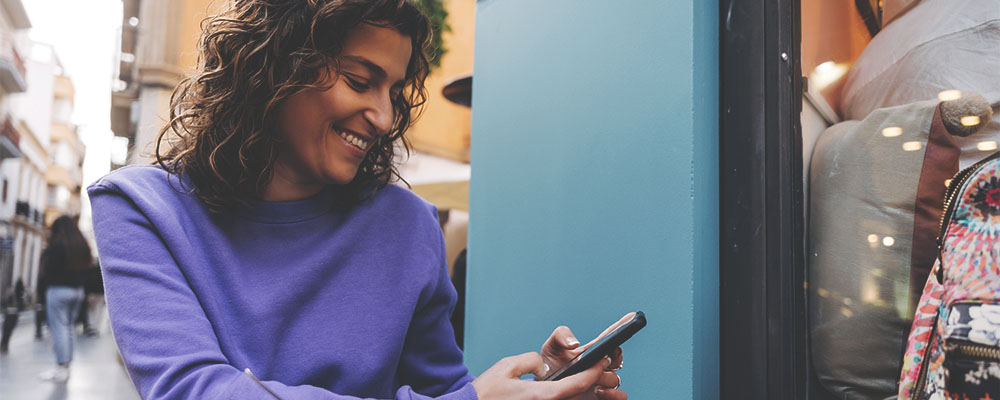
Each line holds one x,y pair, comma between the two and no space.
64,266
266,255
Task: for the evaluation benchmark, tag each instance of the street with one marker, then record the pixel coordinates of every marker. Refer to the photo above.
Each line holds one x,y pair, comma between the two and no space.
96,372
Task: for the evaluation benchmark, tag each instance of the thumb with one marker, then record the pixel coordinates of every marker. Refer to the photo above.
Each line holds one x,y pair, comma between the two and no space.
523,364
561,339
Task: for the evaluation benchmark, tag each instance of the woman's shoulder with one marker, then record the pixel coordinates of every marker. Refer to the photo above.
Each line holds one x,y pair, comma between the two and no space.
131,176
395,199
143,184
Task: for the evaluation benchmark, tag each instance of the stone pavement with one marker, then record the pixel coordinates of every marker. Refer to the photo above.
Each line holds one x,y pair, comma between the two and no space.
96,372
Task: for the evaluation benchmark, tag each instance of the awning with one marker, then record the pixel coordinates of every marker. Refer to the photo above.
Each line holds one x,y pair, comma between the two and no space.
445,195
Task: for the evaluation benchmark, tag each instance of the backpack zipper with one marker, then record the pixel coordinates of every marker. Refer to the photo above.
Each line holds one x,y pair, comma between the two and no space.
957,182
977,351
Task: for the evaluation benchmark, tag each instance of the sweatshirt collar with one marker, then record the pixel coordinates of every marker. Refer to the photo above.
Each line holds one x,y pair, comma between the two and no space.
278,212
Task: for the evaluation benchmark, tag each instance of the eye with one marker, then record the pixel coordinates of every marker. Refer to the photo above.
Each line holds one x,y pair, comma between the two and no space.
357,83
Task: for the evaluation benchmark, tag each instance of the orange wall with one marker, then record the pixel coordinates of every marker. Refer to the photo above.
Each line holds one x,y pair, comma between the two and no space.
444,127
193,11
832,30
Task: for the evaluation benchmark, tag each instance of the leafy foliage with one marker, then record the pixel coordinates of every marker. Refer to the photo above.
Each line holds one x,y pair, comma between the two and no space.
435,11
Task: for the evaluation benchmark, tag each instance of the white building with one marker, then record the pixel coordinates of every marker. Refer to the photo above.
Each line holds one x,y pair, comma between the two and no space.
27,196
13,80
65,172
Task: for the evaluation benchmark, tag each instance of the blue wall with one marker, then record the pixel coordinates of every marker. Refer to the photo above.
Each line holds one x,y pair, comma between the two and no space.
594,185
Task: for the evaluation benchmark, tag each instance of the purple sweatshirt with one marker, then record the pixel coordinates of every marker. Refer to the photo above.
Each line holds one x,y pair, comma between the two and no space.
319,302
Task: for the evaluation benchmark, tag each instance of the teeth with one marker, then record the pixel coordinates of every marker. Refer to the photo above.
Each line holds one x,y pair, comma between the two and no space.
353,140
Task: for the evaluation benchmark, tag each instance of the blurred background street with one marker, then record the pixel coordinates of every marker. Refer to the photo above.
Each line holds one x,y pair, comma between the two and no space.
96,372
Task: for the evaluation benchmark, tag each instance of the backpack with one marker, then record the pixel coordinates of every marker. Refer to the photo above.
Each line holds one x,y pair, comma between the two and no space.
953,350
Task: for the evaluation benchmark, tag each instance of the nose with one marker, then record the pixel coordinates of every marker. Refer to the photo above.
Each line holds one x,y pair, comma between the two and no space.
380,113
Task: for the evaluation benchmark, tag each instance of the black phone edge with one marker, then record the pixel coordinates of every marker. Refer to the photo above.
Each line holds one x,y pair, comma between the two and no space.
627,331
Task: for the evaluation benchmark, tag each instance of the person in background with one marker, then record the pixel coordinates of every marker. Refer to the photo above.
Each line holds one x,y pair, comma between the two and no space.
12,311
267,255
64,266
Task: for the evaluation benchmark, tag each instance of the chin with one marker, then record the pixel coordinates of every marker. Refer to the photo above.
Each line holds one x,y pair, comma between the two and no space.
340,177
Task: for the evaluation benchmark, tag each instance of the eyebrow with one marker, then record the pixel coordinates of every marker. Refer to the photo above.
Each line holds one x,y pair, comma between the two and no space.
374,68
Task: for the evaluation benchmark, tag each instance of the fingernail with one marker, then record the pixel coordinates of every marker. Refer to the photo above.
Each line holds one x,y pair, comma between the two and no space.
546,368
597,390
571,341
607,361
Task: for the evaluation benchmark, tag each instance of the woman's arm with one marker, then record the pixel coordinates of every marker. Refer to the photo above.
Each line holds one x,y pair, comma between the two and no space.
167,342
431,361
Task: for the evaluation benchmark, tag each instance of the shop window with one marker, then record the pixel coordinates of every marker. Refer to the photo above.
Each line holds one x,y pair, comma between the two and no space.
878,74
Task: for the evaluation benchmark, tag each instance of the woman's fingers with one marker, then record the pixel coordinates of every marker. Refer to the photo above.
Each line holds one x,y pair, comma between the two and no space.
523,364
578,383
608,386
609,379
617,359
610,394
561,339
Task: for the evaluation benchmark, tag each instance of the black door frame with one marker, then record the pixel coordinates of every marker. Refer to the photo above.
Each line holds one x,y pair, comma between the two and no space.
763,346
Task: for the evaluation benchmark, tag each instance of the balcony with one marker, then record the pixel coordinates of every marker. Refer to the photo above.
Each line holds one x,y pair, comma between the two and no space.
10,139
12,70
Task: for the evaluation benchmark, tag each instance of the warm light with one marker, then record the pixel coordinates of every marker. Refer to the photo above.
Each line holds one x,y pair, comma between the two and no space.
872,238
988,145
878,272
846,311
947,182
823,292
888,241
892,131
912,146
825,67
970,120
949,95
848,301
826,74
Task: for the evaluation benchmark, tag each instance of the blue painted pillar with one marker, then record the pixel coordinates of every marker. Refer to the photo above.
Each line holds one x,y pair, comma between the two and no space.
594,185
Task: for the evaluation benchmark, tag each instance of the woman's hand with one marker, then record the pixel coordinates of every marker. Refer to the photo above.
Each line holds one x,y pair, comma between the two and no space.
562,346
503,380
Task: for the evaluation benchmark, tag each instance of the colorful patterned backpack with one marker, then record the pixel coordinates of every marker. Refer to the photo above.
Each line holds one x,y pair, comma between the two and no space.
953,351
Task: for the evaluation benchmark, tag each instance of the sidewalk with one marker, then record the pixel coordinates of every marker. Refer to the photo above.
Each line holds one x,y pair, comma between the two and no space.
96,372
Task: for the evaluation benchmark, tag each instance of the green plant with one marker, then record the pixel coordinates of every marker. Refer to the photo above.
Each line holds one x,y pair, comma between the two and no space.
435,11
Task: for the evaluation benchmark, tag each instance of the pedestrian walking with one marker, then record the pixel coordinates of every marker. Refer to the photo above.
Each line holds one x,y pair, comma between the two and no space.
266,254
64,266
13,305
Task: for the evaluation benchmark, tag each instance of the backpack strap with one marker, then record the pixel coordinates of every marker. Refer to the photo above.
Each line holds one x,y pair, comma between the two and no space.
940,163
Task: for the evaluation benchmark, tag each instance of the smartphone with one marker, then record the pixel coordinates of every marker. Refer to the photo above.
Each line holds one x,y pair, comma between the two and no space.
607,344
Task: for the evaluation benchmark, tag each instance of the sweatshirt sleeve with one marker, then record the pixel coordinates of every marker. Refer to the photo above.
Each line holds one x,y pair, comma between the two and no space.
431,360
165,338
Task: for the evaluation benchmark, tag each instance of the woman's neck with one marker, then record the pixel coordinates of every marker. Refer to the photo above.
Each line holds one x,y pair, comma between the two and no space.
286,185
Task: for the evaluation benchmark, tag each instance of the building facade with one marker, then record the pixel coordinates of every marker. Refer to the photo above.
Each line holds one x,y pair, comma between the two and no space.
34,111
13,80
64,175
158,48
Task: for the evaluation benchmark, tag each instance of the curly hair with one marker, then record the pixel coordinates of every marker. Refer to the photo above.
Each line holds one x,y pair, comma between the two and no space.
252,58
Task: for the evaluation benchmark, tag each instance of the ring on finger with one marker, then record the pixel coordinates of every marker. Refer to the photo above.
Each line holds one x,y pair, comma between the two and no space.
619,382
619,367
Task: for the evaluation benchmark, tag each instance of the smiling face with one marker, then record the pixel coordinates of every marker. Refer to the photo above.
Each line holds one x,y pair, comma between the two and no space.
325,134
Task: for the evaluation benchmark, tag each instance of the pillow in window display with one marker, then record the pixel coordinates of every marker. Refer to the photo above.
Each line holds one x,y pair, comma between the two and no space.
863,181
937,45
